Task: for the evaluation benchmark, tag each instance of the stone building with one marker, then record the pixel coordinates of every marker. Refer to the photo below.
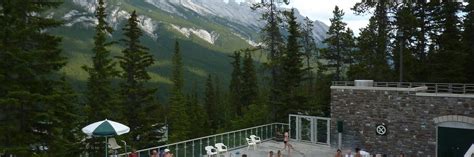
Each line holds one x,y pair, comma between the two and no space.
416,119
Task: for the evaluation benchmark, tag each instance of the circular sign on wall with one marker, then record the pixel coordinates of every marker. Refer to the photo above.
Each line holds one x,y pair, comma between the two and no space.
381,129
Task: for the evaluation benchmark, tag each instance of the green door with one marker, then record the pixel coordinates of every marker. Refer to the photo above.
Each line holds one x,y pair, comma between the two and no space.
454,142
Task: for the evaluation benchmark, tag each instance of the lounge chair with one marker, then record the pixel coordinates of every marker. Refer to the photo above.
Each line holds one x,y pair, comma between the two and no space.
221,148
251,143
255,139
211,151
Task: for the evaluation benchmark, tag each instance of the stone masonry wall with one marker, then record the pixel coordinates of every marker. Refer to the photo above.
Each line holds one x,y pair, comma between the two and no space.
408,118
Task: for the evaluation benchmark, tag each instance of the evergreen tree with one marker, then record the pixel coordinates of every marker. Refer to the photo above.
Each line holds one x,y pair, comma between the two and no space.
406,23
424,26
30,89
100,93
340,44
309,47
179,119
219,105
136,98
293,72
236,83
468,40
274,45
63,121
210,103
249,92
225,109
371,59
198,116
447,60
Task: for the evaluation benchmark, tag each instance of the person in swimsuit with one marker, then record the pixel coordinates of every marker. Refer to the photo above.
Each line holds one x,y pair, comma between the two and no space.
286,141
279,154
338,153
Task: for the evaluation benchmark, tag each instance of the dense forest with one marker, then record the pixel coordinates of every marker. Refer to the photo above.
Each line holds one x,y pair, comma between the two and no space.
431,42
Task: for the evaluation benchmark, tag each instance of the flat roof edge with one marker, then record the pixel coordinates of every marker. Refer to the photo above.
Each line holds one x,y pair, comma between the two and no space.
446,95
415,89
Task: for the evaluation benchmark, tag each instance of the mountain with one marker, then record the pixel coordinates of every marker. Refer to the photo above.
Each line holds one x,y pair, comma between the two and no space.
208,30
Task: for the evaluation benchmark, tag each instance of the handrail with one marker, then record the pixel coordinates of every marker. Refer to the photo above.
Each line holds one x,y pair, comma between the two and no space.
454,88
208,137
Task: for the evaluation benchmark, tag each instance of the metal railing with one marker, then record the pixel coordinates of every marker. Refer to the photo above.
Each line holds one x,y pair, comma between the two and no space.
312,129
454,88
232,139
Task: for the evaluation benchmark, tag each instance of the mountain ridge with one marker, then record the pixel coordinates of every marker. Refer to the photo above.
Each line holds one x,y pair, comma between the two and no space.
209,31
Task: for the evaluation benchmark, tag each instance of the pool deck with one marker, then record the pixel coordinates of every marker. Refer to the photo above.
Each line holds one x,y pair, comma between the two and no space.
300,150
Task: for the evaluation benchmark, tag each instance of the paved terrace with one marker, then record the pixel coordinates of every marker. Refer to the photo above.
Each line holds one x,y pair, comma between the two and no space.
237,145
300,150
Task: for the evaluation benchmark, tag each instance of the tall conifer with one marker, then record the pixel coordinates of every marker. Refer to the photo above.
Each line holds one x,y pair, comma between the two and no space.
30,90
179,119
100,97
136,98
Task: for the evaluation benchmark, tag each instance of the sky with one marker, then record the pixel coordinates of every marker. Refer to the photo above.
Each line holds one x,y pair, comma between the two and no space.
322,10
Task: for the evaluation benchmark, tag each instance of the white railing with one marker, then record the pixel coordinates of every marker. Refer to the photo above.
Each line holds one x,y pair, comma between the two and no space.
233,140
454,88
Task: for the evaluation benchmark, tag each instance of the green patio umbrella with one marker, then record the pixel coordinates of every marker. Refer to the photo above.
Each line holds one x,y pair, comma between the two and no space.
105,128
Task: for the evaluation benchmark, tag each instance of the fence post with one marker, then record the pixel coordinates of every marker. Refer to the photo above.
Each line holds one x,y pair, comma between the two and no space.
240,138
328,131
177,150
464,89
200,147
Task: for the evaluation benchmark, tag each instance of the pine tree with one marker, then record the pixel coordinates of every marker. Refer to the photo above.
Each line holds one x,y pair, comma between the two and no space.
447,59
136,99
210,103
340,44
309,47
293,72
198,116
272,38
249,93
100,97
179,119
468,40
371,59
424,26
225,110
406,23
236,83
29,86
63,121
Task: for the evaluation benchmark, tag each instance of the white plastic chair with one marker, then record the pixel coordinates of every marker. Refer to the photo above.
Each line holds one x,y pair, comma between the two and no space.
113,144
221,148
255,139
251,143
211,151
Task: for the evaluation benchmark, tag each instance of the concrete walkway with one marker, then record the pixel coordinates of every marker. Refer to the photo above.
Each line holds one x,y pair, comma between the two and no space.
300,150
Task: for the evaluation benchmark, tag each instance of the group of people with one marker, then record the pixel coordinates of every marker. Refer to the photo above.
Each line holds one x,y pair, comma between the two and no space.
359,153
154,153
349,154
277,155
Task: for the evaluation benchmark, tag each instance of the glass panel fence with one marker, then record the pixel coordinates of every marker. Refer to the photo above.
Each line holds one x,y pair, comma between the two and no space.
233,140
